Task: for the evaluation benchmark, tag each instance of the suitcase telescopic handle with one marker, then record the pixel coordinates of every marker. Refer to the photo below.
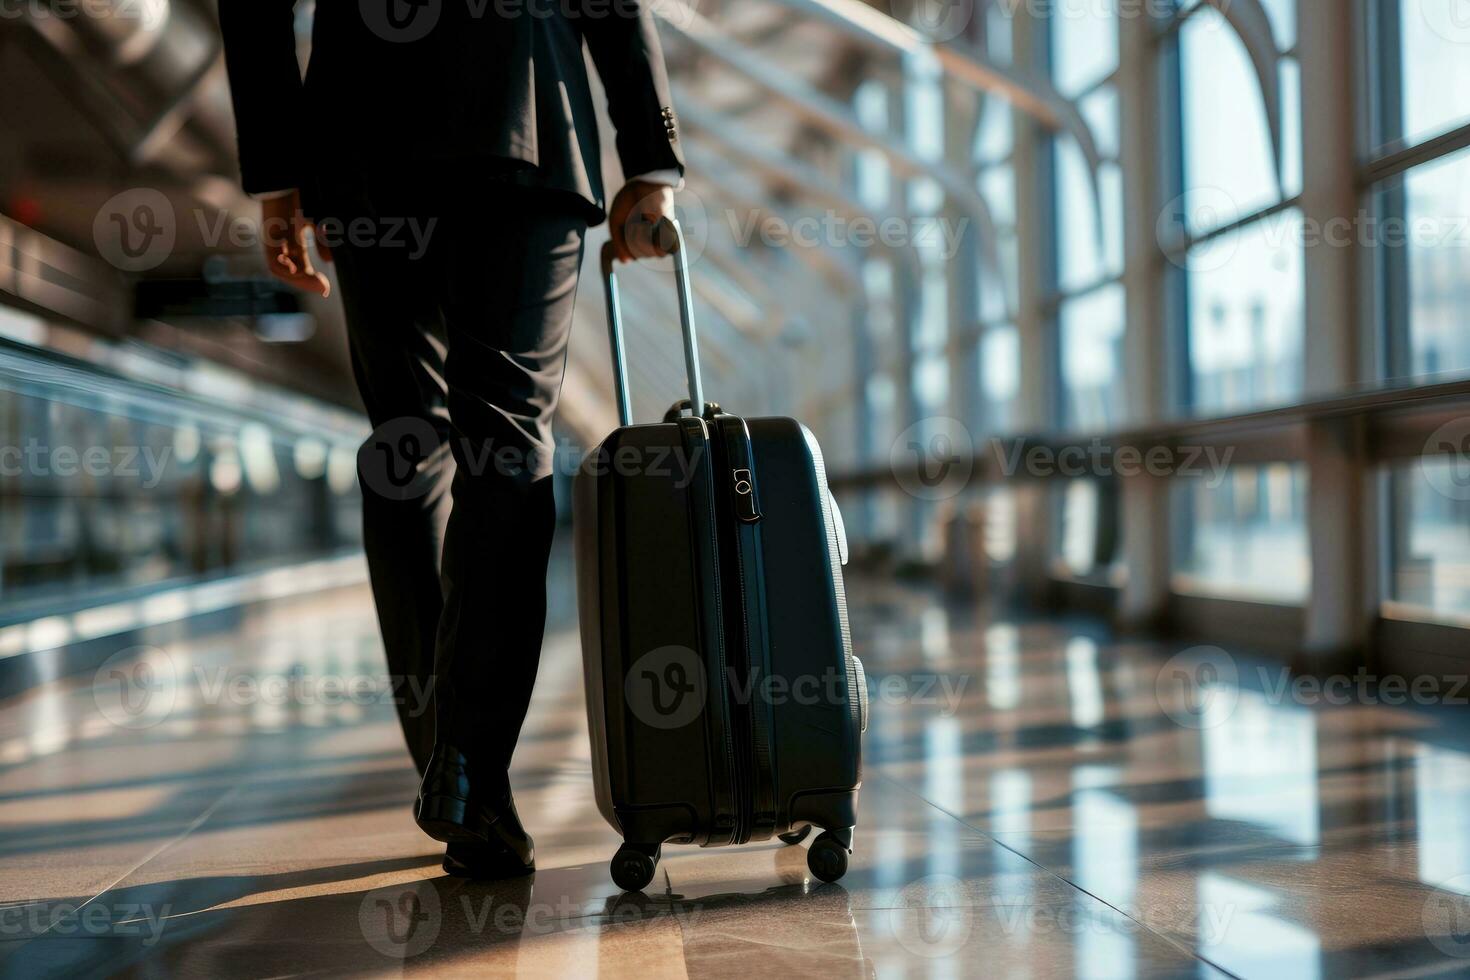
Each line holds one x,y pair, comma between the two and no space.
668,233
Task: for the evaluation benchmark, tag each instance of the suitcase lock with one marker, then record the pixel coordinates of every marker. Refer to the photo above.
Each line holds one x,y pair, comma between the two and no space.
744,486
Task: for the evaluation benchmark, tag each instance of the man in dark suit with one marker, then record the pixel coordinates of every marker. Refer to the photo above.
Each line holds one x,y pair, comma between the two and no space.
471,122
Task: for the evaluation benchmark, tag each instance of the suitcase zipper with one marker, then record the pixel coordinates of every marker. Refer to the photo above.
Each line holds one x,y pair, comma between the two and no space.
731,756
761,761
754,755
738,710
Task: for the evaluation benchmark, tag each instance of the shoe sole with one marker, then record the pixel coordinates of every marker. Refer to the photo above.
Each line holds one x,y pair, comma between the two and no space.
491,871
451,820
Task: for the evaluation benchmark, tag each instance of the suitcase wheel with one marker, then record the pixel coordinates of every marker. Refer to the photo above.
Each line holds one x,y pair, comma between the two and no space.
827,858
796,836
634,864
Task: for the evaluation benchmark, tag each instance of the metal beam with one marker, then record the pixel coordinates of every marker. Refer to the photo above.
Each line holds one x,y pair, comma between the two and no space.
1035,97
833,117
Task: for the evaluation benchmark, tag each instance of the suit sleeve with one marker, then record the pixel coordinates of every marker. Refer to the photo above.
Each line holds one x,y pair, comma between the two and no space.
624,43
265,86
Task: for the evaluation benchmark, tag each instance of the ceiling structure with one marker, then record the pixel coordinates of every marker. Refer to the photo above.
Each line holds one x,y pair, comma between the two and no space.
764,92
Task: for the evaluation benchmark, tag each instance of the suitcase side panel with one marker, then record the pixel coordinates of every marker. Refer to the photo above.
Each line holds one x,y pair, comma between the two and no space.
813,687
587,531
651,636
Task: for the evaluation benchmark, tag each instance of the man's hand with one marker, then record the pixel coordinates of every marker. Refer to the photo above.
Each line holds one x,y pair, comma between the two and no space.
284,229
639,202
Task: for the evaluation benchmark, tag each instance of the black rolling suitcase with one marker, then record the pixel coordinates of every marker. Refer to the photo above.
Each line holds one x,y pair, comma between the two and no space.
724,702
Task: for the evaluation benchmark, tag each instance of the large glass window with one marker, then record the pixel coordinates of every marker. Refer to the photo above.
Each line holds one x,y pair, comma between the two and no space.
1420,201
1091,328
1243,533
1431,536
108,484
1229,158
1000,377
1242,264
1245,316
1424,247
1419,104
1088,208
1423,44
995,353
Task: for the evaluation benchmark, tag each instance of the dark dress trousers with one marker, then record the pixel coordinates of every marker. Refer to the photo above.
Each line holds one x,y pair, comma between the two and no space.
472,122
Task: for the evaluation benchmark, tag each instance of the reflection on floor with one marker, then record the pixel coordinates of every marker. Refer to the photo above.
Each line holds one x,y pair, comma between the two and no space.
1039,802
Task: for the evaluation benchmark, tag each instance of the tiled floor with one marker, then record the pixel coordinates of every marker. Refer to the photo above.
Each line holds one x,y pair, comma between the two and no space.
1039,802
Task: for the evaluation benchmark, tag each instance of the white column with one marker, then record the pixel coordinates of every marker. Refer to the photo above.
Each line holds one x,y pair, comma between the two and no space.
1146,344
1339,521
1033,235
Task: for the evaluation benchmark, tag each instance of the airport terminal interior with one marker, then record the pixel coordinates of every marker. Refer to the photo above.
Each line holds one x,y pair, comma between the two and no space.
1133,336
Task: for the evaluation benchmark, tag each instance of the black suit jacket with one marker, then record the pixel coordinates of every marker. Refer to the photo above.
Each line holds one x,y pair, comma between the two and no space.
412,83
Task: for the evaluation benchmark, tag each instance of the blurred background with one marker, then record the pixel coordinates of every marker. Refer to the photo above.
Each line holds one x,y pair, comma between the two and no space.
1213,253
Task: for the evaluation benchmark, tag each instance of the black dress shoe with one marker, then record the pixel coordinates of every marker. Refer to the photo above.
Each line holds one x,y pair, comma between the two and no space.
461,805
485,862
